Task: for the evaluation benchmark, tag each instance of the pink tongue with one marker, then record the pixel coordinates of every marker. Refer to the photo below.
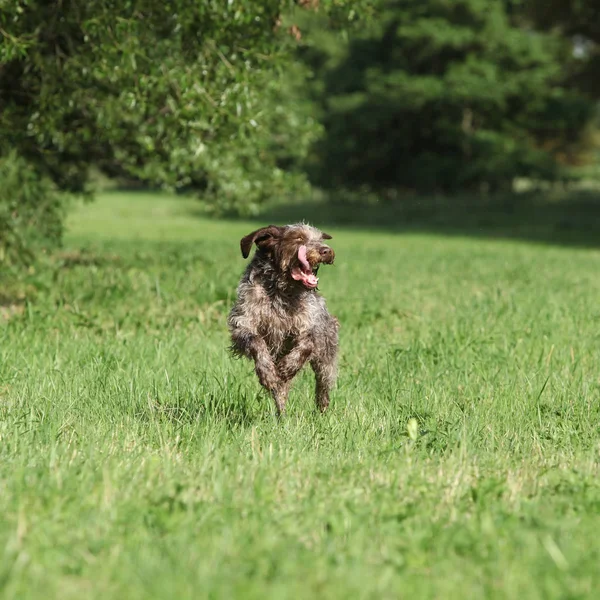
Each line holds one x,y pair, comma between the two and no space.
302,257
308,278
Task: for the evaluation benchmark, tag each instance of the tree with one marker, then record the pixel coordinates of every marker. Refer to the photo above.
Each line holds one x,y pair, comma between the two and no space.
183,94
443,96
578,21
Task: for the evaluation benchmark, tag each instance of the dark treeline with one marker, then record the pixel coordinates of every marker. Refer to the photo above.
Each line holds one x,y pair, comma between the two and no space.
449,96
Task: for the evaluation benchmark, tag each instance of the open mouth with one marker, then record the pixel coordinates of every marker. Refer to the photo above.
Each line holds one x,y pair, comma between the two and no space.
304,272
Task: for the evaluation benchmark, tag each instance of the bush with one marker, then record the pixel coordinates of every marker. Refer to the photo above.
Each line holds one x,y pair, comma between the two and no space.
31,213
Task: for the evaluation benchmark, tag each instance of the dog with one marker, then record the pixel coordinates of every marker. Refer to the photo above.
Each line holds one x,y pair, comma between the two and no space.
279,320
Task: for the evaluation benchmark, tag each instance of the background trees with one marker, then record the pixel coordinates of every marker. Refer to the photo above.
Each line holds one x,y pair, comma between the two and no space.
183,94
239,101
578,21
447,96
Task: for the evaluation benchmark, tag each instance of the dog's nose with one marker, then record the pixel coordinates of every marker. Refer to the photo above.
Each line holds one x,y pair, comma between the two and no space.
327,254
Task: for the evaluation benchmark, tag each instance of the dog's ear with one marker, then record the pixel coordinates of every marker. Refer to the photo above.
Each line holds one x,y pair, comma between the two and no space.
264,238
325,236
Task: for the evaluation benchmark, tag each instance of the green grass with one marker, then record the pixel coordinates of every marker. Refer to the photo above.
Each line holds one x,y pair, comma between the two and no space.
138,460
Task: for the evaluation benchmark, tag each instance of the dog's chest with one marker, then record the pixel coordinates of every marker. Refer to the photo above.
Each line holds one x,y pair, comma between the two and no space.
278,319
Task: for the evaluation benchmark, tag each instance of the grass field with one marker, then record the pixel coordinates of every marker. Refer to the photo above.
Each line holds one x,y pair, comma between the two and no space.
138,460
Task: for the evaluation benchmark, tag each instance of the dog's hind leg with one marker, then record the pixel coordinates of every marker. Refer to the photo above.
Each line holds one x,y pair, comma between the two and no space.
324,364
325,375
253,346
289,365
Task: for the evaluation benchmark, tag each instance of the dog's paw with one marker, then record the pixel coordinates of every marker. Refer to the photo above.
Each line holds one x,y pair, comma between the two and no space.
268,376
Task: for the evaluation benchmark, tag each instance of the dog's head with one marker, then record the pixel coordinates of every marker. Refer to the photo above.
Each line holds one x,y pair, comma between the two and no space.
296,251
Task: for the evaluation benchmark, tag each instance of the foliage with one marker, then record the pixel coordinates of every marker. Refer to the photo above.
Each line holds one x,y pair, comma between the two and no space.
31,213
180,94
211,97
444,96
138,460
579,21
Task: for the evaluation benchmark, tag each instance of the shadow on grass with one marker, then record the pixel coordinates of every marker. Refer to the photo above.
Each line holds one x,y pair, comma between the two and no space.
235,411
562,218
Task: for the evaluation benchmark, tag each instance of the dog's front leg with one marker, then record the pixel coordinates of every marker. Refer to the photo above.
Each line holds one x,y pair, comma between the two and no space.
294,360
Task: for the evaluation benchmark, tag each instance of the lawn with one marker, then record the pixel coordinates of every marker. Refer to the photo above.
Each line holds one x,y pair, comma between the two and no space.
459,459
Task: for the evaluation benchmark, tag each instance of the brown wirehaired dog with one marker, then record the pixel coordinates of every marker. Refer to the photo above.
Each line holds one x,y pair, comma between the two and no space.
279,320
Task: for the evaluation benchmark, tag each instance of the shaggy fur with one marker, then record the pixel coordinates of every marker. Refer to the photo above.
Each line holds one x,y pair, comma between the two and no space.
279,320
